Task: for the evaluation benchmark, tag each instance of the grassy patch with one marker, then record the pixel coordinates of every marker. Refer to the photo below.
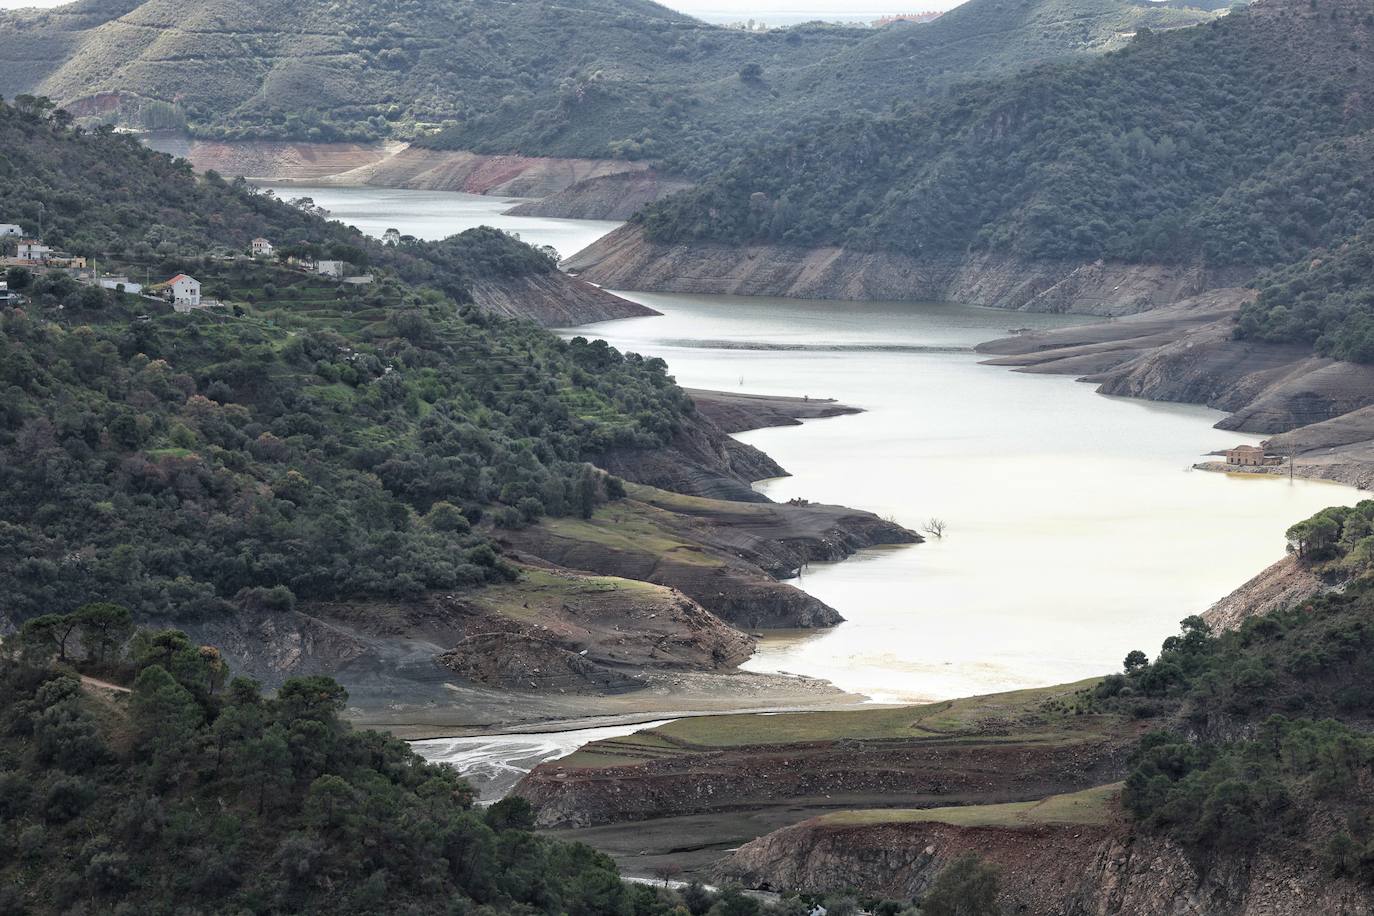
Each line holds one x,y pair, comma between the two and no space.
1095,807
1044,714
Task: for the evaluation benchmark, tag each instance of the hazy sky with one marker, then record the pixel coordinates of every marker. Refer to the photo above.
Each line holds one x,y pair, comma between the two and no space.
780,10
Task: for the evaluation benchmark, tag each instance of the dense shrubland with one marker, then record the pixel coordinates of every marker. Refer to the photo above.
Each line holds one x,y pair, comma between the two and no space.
1265,729
194,793
1156,152
318,440
104,195
1241,143
1326,299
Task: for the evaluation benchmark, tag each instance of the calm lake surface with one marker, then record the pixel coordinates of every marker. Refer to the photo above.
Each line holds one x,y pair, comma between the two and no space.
439,214
1076,529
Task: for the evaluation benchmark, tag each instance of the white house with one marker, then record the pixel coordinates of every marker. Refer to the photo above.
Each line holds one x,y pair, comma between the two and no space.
29,250
330,269
5,296
262,248
10,230
185,292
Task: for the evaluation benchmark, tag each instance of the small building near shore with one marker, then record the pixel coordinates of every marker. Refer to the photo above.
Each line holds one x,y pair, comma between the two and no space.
1251,456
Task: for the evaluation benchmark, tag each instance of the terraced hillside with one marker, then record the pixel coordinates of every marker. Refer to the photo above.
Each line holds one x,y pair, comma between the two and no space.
590,78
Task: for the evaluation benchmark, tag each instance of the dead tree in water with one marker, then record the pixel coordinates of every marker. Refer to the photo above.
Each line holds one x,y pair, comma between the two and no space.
935,527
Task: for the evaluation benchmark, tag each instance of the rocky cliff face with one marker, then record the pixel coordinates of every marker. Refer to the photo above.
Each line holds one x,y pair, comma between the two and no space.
627,259
1071,869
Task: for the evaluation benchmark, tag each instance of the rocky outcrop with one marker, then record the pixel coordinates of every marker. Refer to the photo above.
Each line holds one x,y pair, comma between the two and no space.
627,259
524,662
701,460
613,197
476,173
1279,587
727,555
1077,869
270,160
390,165
1188,352
736,412
553,300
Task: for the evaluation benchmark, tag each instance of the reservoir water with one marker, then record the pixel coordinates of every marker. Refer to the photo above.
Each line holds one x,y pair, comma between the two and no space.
1076,529
439,214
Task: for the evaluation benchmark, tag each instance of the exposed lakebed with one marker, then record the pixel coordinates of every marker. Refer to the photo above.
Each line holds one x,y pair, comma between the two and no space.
1076,529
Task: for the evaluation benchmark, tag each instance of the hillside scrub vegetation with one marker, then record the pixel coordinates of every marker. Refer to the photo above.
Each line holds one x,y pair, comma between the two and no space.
315,441
596,78
103,195
1263,731
162,784
193,791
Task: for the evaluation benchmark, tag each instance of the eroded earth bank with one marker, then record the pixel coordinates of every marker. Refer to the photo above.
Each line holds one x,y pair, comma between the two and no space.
646,607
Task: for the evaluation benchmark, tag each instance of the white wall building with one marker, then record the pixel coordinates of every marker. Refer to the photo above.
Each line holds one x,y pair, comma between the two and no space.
262,248
185,292
10,230
30,250
330,268
117,282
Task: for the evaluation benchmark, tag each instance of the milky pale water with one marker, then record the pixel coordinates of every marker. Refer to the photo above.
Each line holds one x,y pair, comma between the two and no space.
439,214
1076,529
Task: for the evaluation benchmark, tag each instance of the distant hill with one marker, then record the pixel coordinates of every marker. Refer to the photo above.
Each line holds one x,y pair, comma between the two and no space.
1245,142
583,78
693,112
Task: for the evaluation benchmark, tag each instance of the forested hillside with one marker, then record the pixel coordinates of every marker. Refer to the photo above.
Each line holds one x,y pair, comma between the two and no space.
188,794
315,441
594,78
1243,142
103,194
1264,731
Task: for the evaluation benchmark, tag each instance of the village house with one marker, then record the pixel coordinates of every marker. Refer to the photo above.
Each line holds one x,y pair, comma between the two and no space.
1251,456
262,248
33,252
6,297
330,269
10,230
183,291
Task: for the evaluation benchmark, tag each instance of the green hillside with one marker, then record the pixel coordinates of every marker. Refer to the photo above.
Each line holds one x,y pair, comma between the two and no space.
1244,142
357,69
1159,151
693,111
316,440
590,78
189,795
